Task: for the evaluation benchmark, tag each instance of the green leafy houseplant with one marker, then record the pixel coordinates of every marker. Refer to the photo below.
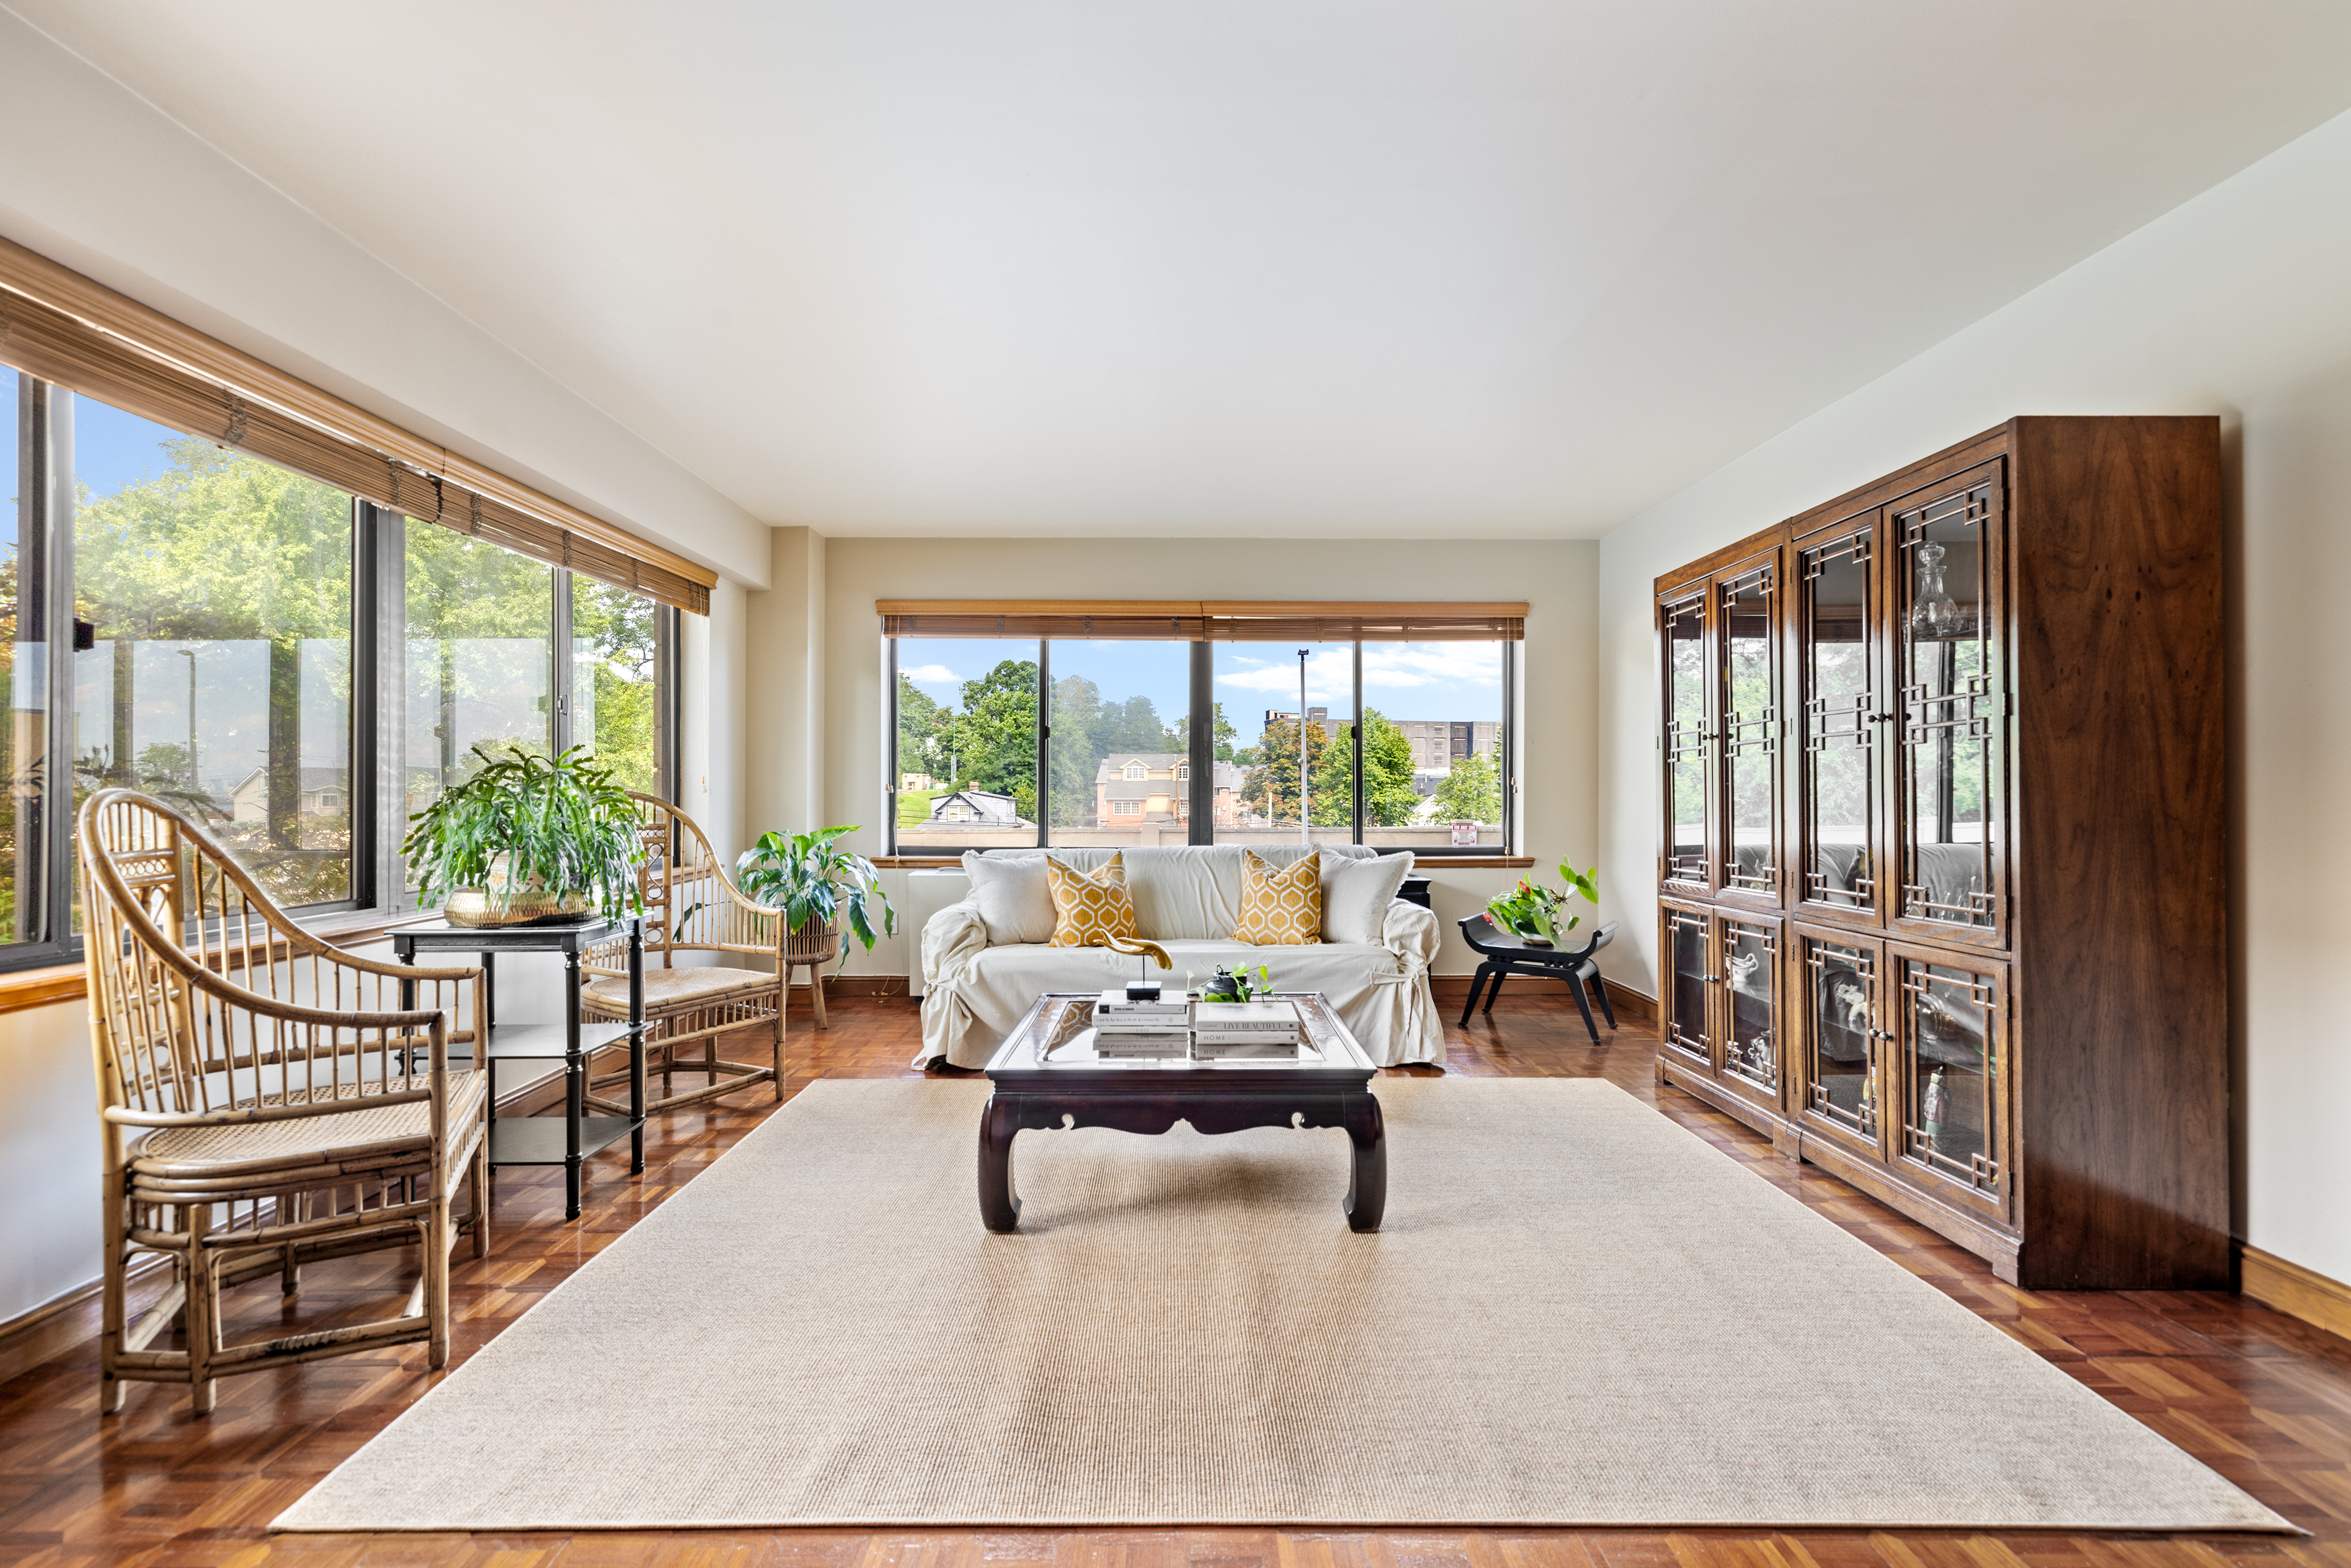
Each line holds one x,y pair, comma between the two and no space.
812,882
1532,910
551,835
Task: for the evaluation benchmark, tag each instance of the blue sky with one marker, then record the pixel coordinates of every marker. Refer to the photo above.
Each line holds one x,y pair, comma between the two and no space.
111,448
1402,680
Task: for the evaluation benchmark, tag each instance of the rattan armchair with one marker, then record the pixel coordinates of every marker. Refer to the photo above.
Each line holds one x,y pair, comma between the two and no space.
267,1099
692,907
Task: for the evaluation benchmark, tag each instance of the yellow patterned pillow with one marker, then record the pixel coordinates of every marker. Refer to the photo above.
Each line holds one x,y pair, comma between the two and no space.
1090,911
1280,908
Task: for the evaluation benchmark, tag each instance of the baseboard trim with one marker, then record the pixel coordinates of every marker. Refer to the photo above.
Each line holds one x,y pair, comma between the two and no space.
31,1339
2296,1291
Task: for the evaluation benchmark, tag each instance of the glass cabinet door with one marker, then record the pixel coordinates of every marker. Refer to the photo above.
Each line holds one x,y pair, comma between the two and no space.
1838,776
1682,622
1842,1087
1952,691
1689,1023
1750,1045
1750,729
1953,1117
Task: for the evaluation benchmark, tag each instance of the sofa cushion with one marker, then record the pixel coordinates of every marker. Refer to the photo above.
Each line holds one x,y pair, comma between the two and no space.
1181,892
1280,908
1016,901
1090,911
1356,894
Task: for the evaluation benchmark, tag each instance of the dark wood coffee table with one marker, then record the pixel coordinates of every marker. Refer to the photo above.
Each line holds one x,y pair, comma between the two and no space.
1046,1077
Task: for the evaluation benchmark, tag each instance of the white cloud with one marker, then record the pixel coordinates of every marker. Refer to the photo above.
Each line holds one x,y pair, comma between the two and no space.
932,674
1410,665
1330,677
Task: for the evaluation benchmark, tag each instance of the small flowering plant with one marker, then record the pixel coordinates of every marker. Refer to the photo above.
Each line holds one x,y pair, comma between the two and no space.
1532,910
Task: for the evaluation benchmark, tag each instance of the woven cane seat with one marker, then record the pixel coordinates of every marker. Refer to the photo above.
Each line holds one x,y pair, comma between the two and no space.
668,990
225,1147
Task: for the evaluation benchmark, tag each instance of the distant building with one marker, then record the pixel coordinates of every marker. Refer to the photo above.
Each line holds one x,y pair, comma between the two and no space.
1321,715
322,792
1437,744
1138,786
976,809
915,783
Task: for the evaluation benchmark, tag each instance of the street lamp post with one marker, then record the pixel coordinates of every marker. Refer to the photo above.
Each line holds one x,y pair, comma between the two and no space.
190,655
1305,834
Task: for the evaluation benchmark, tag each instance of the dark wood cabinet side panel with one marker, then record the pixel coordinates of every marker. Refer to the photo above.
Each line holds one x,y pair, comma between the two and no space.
2120,812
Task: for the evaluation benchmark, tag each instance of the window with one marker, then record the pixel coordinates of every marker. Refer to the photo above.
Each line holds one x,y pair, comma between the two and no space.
1434,774
967,717
194,613
1405,741
1115,717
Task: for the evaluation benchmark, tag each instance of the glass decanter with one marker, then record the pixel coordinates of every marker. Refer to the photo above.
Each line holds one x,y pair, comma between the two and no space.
1932,610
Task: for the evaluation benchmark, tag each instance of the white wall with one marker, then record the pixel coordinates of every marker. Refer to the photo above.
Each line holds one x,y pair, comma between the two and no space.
1556,578
2237,304
110,187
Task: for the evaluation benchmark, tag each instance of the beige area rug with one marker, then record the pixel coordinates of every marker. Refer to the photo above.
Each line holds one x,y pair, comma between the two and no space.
1577,1313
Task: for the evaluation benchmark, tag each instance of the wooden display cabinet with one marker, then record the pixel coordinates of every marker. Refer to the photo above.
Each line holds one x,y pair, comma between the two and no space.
1940,773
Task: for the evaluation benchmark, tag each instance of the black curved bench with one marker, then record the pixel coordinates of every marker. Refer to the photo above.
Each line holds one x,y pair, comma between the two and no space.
1505,953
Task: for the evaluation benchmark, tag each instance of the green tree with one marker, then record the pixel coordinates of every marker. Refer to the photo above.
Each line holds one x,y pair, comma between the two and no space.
614,638
1470,791
1269,788
1221,729
995,736
221,548
920,719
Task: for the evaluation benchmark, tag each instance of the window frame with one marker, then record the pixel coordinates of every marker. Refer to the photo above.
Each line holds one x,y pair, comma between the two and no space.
378,718
1197,772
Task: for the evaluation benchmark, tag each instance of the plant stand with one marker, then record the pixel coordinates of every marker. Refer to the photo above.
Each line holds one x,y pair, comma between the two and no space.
810,951
568,1140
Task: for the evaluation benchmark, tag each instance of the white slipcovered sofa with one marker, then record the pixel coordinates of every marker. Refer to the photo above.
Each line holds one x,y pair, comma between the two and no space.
979,978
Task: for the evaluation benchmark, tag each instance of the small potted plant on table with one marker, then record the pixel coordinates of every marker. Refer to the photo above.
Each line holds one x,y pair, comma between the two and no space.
525,840
1530,912
815,884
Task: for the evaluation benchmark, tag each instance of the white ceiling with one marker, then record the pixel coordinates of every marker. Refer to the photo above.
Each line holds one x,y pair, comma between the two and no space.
1217,267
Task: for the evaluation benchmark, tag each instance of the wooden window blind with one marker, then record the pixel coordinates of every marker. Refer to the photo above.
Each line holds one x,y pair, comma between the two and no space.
1192,620
61,326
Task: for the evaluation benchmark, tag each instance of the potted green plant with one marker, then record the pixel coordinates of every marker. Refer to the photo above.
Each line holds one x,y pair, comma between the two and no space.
1531,911
815,884
526,840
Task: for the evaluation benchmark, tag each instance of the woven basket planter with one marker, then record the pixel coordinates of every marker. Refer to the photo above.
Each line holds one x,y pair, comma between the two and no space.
502,903
814,945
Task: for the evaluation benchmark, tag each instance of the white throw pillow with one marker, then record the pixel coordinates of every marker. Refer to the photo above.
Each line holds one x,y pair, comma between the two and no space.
1015,902
1357,894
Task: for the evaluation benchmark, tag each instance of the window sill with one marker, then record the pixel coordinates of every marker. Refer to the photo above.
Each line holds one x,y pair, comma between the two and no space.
61,983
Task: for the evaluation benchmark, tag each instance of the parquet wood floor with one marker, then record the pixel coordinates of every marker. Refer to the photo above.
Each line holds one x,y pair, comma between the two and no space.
2261,1397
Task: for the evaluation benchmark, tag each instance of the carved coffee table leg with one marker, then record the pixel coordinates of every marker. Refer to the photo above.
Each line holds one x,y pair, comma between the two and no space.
1367,1179
1000,1206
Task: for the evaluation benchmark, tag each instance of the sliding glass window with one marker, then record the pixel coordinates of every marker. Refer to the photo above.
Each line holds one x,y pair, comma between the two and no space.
193,611
1265,686
1122,767
1427,767
1435,768
966,753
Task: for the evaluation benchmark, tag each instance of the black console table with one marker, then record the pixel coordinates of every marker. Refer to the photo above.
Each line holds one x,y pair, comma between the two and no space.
547,1140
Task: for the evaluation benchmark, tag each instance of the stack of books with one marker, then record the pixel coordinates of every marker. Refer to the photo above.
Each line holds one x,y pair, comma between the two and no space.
1222,1030
1123,1028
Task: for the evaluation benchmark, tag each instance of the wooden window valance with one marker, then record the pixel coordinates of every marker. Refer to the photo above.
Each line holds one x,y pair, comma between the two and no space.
1192,620
64,328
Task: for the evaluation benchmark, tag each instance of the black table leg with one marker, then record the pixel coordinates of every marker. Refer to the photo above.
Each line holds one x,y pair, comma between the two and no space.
999,1205
1367,1177
1496,989
637,1047
1477,983
575,1086
1583,1006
